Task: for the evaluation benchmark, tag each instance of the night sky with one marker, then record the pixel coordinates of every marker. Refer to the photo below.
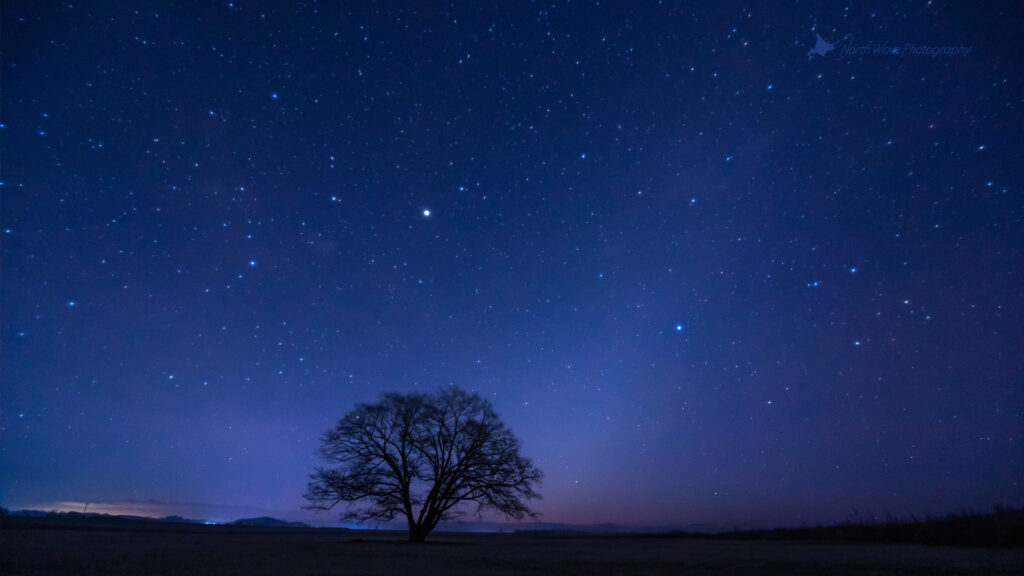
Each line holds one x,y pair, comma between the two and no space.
706,273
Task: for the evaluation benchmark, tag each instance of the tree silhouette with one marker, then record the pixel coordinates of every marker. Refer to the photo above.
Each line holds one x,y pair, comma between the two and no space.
423,456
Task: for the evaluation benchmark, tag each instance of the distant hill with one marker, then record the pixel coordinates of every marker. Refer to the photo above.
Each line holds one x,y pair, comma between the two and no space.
262,521
125,523
98,517
1003,527
179,519
268,522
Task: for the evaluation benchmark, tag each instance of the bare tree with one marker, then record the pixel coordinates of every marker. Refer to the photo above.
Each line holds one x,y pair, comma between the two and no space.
424,457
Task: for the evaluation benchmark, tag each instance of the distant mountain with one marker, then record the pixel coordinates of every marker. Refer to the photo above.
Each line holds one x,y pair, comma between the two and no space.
268,522
28,513
218,513
271,522
99,516
78,520
180,520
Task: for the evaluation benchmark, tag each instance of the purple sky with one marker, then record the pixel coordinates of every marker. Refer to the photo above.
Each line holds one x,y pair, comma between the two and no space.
705,276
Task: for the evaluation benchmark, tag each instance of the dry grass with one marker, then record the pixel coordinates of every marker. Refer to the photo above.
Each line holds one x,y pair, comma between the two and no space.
74,551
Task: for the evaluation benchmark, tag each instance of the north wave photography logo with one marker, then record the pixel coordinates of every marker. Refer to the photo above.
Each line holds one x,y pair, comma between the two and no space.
846,48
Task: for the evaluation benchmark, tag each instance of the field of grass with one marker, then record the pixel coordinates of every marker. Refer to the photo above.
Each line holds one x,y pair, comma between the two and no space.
210,550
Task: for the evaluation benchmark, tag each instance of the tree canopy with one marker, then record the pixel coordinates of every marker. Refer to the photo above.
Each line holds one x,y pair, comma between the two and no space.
426,457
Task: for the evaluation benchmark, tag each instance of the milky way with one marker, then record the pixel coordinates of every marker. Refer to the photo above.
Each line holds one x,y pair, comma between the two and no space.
705,276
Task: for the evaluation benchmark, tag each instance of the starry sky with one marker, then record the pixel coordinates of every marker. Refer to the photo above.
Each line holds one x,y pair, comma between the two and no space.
707,274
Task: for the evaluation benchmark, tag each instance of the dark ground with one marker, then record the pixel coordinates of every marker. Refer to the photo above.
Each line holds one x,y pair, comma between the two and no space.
216,550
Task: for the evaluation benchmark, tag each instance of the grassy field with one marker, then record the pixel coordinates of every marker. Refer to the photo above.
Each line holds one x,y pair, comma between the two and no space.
198,551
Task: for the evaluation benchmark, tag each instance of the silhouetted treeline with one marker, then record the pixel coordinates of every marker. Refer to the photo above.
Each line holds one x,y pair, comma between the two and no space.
1003,527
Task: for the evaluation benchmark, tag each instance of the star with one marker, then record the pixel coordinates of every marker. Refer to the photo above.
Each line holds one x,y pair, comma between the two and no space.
355,277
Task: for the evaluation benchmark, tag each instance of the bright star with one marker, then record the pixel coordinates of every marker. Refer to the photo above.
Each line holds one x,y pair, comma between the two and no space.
679,327
426,212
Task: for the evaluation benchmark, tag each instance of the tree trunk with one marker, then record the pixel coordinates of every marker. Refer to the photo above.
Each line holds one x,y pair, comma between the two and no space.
418,534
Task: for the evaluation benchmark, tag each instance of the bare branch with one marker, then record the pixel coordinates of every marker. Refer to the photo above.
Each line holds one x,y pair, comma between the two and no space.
420,456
